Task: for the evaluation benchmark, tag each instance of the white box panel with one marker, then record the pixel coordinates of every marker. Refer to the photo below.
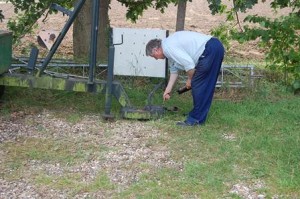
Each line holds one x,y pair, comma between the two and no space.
130,57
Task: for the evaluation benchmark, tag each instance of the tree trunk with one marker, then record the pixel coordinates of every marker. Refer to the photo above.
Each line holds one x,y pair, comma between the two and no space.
82,32
181,10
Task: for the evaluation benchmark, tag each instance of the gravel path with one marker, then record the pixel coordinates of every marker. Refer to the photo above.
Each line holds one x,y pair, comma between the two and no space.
128,150
128,146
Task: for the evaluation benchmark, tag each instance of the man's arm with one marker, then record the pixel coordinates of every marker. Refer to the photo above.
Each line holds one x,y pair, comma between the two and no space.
190,74
168,90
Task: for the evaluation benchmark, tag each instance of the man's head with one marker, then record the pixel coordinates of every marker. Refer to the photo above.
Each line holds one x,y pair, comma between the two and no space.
154,49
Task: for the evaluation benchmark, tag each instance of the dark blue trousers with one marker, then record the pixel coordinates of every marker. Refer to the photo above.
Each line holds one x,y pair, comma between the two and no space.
204,80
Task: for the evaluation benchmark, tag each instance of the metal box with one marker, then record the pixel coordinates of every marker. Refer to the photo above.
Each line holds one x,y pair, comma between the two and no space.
130,47
5,50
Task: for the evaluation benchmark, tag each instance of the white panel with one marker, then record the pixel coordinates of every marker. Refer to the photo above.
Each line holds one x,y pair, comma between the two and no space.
130,56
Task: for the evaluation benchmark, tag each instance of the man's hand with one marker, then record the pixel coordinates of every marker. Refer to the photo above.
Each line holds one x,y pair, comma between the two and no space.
190,74
168,90
166,95
188,83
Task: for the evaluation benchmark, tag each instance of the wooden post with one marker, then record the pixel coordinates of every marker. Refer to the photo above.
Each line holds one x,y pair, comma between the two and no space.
181,10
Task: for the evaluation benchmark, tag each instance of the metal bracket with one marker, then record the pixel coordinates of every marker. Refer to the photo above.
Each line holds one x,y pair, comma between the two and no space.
61,9
46,38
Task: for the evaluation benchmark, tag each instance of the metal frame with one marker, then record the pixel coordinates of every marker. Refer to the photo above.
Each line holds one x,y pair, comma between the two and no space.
243,79
233,76
38,77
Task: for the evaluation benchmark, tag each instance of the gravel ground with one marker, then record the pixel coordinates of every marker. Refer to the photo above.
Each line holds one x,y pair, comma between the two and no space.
129,143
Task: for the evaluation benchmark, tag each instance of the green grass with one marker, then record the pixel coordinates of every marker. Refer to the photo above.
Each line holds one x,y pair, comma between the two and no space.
73,182
50,151
266,147
253,139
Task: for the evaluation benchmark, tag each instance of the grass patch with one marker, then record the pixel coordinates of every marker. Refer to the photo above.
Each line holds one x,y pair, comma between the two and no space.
35,100
73,183
253,139
244,141
63,151
263,146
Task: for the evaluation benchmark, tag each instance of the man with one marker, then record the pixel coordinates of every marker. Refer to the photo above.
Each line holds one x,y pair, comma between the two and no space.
200,56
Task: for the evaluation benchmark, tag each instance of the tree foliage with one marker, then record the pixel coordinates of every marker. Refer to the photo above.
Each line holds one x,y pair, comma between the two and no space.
28,12
136,8
279,37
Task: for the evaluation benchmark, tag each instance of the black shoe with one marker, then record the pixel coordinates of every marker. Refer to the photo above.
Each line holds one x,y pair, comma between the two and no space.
186,123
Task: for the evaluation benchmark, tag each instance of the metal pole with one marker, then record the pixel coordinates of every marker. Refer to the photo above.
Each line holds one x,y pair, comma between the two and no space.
109,83
94,41
61,36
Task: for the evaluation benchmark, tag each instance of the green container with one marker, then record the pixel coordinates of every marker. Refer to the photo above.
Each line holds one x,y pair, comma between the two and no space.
5,50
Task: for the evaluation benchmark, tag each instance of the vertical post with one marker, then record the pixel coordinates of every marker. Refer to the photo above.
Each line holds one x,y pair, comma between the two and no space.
110,75
251,76
166,66
222,77
181,11
93,43
32,59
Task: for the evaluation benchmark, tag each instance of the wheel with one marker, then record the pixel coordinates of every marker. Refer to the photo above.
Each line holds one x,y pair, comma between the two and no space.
2,88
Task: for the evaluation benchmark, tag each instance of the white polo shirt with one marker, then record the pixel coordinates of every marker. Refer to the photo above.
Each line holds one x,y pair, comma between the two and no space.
183,49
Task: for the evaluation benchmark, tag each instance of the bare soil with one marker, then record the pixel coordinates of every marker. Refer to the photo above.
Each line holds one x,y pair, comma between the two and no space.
198,18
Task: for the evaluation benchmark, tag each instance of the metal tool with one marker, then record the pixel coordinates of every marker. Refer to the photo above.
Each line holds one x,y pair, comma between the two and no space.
183,90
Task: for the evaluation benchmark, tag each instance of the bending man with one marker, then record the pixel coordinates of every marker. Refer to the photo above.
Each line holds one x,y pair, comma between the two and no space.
200,56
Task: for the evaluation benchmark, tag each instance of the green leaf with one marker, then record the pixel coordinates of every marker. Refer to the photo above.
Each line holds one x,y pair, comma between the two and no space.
296,84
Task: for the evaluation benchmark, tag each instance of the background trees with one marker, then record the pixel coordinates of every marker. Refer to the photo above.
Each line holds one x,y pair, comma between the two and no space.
279,37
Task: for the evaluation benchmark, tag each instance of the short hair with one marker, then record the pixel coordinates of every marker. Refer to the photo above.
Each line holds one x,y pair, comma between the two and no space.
154,43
